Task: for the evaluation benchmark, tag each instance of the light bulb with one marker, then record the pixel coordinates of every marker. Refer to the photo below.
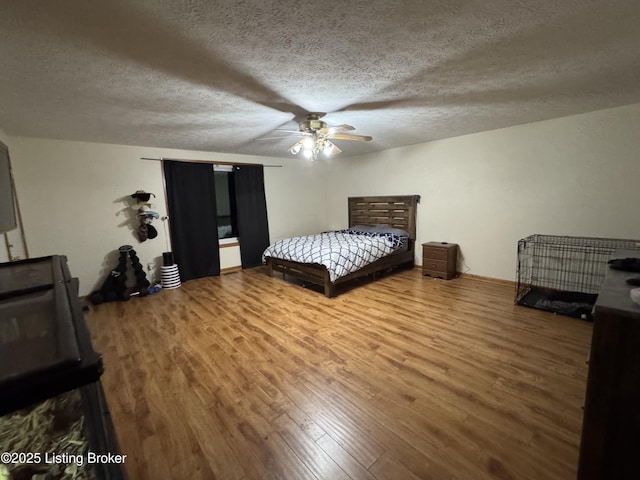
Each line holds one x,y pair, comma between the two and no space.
296,149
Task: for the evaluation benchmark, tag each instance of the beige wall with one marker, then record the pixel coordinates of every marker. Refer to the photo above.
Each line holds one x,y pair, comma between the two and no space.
12,247
230,257
577,175
4,254
4,138
75,199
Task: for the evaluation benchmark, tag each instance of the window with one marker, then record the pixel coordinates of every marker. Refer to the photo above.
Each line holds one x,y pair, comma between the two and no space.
225,203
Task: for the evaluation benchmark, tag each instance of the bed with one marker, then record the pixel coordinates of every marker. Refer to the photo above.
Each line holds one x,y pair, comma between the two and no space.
395,212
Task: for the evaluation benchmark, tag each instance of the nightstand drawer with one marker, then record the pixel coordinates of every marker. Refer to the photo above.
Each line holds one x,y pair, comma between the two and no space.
437,274
435,253
434,265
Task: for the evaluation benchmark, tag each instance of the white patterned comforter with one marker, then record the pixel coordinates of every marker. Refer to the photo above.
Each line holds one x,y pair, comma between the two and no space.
342,252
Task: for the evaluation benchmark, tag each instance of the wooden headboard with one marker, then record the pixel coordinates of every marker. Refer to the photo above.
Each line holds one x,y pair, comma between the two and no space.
396,211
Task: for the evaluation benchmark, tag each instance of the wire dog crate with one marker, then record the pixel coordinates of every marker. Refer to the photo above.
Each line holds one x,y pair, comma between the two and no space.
563,274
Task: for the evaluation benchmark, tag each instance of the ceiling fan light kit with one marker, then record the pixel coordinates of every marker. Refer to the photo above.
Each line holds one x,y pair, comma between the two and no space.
317,137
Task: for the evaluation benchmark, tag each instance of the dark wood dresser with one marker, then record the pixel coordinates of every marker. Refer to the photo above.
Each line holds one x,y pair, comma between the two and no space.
440,259
610,443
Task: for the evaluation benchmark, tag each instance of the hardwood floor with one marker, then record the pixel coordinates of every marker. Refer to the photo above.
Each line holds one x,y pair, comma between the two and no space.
245,376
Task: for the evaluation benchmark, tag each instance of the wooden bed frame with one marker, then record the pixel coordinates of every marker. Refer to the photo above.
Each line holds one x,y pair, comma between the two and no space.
396,211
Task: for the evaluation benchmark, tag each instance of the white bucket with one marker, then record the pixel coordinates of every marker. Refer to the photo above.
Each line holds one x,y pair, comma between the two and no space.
170,276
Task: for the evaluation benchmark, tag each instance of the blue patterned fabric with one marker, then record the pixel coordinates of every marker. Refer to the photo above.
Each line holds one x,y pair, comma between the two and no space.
396,240
342,252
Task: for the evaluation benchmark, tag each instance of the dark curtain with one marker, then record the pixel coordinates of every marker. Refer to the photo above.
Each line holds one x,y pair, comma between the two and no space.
191,198
251,204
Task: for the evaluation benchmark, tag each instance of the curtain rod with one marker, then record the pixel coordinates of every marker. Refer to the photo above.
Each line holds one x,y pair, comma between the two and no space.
213,162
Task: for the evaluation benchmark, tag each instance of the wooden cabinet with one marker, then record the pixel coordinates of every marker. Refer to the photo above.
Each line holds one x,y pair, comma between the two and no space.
440,259
611,426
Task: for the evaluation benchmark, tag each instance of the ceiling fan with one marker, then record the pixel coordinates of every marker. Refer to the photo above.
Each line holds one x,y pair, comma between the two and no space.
317,137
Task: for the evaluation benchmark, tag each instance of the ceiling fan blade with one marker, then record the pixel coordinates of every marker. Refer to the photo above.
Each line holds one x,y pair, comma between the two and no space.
348,136
335,129
272,138
296,147
341,128
334,149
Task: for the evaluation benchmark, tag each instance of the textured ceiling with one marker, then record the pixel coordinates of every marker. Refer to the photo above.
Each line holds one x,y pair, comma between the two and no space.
220,75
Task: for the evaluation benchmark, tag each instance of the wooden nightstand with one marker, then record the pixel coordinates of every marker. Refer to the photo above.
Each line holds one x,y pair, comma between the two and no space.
440,259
